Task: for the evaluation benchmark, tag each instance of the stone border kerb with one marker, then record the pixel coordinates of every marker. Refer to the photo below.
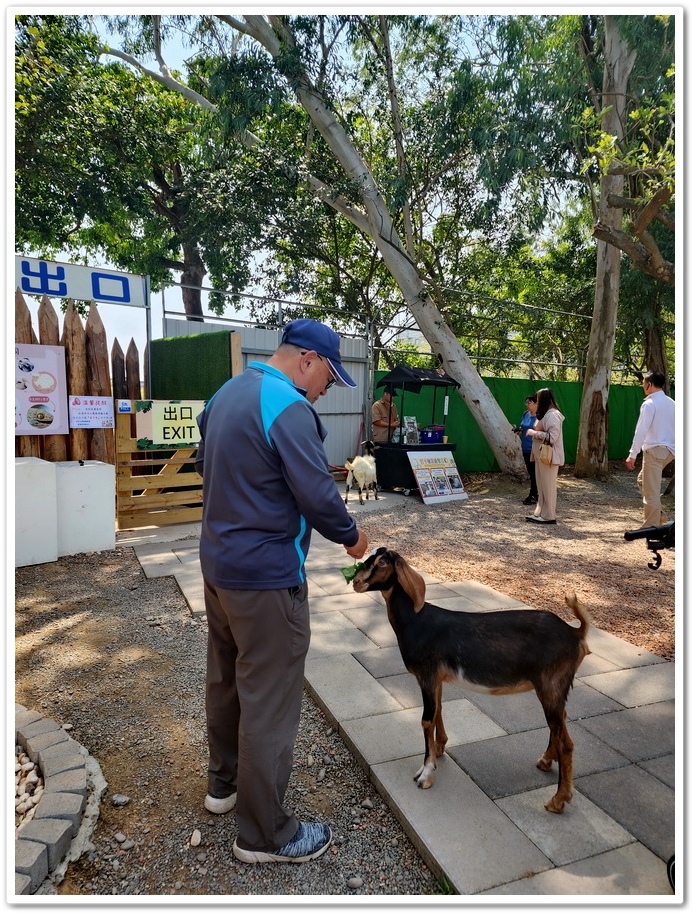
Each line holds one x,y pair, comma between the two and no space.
68,808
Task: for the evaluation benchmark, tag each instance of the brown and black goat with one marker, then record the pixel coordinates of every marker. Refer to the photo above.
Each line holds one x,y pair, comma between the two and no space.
496,652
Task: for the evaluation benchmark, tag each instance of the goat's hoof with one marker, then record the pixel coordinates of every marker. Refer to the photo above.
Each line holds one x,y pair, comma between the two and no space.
555,805
544,764
425,777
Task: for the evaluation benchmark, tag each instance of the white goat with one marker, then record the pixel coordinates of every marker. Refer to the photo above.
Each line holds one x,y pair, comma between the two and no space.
362,471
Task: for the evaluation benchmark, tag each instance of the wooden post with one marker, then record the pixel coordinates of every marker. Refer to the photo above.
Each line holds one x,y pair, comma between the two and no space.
118,371
236,361
73,340
25,446
54,447
133,386
102,445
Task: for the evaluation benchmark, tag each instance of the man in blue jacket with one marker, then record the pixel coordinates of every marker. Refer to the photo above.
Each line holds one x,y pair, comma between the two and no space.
266,485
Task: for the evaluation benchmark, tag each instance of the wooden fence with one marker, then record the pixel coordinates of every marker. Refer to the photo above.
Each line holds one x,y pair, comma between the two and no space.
152,488
89,371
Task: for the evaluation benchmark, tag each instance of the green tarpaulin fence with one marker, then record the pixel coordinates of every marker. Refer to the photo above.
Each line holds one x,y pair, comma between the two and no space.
473,454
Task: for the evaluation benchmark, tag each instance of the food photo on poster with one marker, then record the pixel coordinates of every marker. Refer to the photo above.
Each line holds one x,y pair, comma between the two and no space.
40,390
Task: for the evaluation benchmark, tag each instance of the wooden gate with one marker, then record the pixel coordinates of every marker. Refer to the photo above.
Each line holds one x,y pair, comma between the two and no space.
147,496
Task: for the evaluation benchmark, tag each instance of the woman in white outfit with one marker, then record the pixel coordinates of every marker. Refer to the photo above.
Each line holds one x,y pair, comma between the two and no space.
549,423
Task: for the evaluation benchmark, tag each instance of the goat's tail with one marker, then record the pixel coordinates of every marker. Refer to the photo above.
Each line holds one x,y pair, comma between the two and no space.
581,612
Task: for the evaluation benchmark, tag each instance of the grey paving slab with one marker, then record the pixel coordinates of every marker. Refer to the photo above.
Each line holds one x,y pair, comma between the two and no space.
189,554
456,828
662,768
595,664
190,582
406,690
639,801
483,596
382,662
330,578
582,830
518,712
330,620
399,734
156,559
338,642
617,650
630,870
373,621
323,603
639,734
636,686
344,688
507,765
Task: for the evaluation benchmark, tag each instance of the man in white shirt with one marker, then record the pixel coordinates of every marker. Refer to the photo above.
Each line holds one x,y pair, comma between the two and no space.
654,436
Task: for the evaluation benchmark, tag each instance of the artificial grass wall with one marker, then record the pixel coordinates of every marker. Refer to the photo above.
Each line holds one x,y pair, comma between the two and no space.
189,368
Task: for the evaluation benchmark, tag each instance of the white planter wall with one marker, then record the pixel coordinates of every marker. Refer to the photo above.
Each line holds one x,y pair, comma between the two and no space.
63,508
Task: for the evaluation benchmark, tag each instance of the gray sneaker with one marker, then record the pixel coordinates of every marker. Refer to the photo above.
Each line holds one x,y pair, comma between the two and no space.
309,842
220,805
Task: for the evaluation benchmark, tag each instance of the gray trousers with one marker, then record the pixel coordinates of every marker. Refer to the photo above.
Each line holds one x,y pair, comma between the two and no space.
257,644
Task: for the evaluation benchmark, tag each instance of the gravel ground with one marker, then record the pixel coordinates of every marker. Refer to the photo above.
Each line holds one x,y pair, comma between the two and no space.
118,657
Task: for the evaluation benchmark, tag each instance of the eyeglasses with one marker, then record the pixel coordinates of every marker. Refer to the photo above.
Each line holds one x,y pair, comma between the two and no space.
332,380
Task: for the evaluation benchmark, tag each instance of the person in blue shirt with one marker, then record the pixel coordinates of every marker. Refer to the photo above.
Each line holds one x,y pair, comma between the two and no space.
527,422
266,486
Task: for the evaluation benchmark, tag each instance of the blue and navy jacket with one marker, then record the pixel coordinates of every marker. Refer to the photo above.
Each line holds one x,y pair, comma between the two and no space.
527,422
266,483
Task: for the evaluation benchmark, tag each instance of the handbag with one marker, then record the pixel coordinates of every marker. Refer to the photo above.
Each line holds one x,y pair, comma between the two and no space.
546,451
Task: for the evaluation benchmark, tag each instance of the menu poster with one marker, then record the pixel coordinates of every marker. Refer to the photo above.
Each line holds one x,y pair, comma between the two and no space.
41,403
437,476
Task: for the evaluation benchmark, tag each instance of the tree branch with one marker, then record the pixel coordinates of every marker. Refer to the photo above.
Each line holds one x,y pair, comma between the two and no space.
641,258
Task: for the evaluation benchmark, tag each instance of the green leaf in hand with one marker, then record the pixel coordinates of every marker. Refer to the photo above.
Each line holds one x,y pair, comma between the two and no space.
350,571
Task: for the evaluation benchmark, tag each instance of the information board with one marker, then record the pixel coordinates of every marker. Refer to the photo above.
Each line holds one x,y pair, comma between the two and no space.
437,476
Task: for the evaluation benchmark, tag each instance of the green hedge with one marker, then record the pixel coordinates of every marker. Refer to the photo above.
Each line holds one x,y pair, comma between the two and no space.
473,453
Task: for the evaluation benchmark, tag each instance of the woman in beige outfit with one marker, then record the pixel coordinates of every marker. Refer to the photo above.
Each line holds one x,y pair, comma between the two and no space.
549,422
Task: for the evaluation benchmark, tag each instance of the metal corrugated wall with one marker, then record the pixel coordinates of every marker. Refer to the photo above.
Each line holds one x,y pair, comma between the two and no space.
343,411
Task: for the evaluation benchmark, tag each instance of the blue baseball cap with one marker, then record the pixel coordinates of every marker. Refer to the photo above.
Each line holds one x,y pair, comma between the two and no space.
313,335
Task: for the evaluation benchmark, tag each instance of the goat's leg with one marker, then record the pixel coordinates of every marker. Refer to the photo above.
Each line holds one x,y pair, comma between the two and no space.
564,793
440,733
562,745
426,774
360,495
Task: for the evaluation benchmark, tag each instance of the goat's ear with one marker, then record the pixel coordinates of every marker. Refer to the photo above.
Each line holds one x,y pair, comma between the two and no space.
411,582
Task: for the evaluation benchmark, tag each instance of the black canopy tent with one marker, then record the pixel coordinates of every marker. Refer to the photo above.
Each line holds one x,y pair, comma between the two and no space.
408,378
394,470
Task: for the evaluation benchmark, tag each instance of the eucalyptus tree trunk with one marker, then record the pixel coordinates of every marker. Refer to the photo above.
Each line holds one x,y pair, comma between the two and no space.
592,456
374,219
377,221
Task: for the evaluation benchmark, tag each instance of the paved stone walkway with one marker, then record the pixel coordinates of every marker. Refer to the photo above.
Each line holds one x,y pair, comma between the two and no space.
483,825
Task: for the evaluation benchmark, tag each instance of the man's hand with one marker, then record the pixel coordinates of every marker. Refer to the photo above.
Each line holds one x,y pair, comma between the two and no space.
357,551
630,463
